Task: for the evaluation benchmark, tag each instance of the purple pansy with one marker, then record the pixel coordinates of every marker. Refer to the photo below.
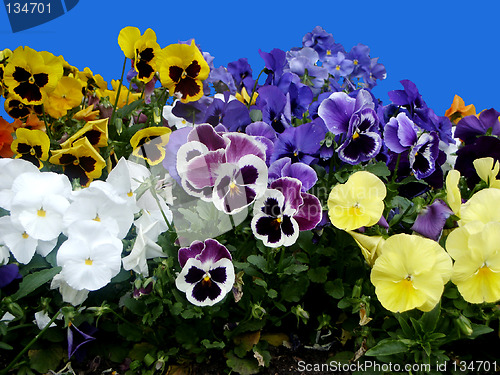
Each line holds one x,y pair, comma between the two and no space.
222,80
424,154
275,63
375,71
303,62
207,272
275,108
300,143
430,221
322,42
233,114
242,73
283,211
360,56
285,168
471,127
363,142
338,66
400,133
337,110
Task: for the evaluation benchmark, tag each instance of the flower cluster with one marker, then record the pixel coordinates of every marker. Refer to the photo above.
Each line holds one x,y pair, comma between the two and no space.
232,190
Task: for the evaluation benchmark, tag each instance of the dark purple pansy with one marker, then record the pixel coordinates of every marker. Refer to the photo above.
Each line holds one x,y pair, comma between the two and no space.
363,141
207,272
471,127
275,63
242,73
193,112
400,133
283,211
8,274
77,337
233,114
482,147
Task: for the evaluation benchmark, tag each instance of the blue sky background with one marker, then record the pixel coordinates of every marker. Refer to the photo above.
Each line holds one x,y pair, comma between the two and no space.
445,47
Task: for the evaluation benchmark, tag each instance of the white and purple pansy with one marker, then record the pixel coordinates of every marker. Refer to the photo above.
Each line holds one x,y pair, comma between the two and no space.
207,272
239,184
210,158
283,211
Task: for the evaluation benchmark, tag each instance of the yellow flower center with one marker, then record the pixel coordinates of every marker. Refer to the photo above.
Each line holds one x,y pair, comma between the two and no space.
97,218
41,212
76,162
32,152
355,210
31,80
484,272
184,74
130,193
279,219
328,52
88,262
337,67
355,135
355,62
407,284
25,235
233,188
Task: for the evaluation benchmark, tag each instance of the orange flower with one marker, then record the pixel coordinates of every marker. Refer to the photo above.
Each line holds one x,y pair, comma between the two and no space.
458,110
6,130
32,122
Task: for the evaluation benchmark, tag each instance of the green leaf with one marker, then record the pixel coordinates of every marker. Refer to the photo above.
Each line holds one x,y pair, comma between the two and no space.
271,293
45,359
407,331
478,330
258,261
379,169
387,347
31,282
335,288
5,346
261,283
126,110
242,366
256,115
295,269
430,319
318,275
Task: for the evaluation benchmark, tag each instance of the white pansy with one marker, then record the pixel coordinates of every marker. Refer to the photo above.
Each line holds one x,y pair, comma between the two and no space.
10,169
90,257
145,247
173,120
69,294
42,319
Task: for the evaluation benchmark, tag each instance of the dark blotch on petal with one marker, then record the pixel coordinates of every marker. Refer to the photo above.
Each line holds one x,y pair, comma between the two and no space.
175,73
194,275
204,290
147,55
249,174
23,148
271,207
193,69
41,79
28,91
188,87
93,136
21,74
287,226
87,163
218,274
67,159
270,227
75,172
145,70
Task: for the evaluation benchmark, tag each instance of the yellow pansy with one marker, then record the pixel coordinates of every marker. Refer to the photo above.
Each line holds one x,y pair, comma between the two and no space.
31,145
410,273
371,246
483,206
95,131
488,171
182,69
475,248
245,98
80,161
67,95
30,75
453,195
142,49
126,96
358,202
149,143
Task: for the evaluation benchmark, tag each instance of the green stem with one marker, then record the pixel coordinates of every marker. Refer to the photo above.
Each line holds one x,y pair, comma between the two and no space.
395,173
118,91
30,344
255,87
